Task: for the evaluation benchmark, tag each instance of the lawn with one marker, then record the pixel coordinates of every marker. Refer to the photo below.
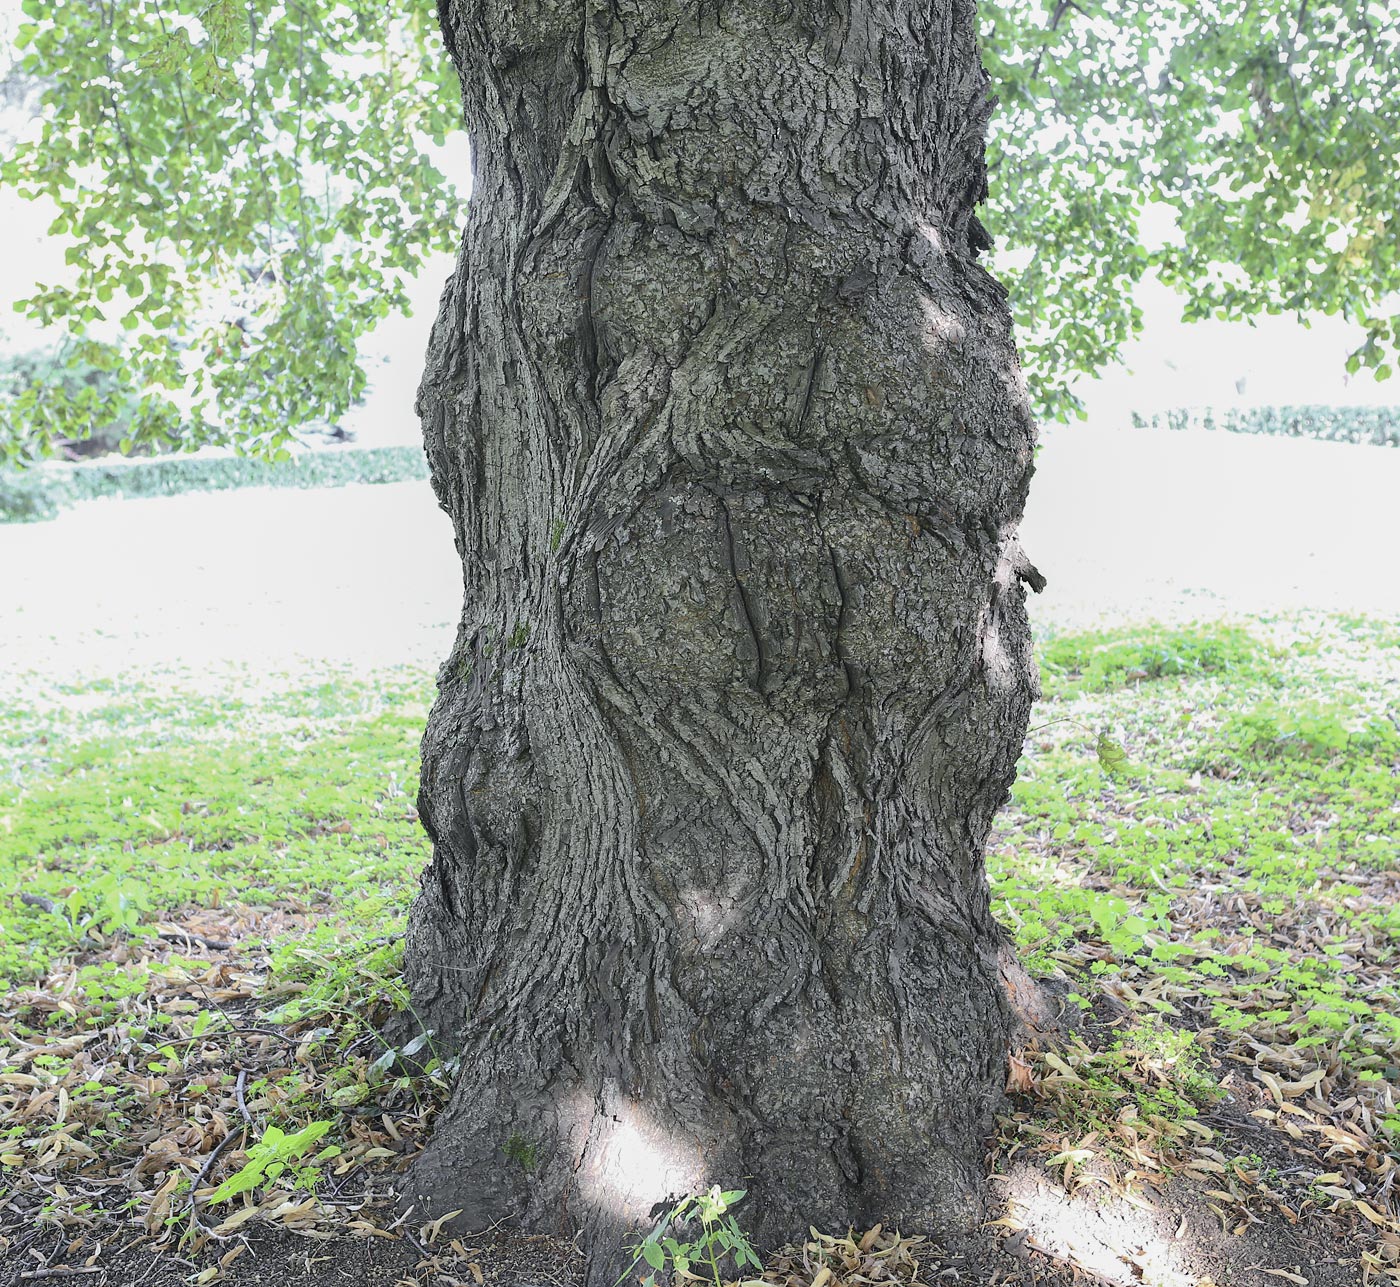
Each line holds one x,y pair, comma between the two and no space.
205,882
1221,904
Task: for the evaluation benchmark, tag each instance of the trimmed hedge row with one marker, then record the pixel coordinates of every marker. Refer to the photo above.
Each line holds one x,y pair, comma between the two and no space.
41,491
1377,425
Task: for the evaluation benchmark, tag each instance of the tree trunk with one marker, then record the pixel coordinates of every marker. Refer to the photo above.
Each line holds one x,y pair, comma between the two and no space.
732,434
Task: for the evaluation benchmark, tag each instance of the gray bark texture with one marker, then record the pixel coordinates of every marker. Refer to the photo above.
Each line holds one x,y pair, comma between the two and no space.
733,437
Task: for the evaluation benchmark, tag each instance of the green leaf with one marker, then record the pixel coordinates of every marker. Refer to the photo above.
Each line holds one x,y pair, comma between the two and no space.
226,193
1112,757
350,1096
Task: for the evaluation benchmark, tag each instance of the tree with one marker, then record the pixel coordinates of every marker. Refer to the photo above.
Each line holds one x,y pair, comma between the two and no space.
1268,131
244,184
731,430
729,425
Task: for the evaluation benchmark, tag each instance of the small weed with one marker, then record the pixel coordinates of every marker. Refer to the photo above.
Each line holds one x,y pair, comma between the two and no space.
718,1239
272,1155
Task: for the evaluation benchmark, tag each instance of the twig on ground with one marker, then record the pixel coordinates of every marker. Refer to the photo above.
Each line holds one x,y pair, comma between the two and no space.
42,903
238,1094
60,1271
184,935
218,1150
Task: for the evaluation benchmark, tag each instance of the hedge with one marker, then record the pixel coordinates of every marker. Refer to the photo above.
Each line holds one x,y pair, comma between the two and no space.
1377,425
42,491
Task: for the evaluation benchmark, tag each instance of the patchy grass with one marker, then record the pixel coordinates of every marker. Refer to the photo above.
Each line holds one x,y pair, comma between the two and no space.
1084,663
158,803
202,899
1238,878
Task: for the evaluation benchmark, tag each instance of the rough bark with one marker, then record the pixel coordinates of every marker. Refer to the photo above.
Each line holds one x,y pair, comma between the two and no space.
732,434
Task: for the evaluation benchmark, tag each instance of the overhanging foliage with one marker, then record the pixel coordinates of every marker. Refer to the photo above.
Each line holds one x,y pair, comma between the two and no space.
244,185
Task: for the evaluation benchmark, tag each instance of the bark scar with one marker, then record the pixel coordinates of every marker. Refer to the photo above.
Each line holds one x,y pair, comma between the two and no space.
814,367
842,590
761,652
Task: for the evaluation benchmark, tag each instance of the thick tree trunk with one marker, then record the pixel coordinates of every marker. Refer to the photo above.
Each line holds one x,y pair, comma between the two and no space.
733,437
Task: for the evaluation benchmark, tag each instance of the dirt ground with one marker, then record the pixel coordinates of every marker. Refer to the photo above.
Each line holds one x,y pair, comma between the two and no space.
269,1259
1171,1238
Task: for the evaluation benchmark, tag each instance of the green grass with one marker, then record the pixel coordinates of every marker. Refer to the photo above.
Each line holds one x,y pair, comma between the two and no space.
272,814
1083,663
1233,885
133,805
1238,876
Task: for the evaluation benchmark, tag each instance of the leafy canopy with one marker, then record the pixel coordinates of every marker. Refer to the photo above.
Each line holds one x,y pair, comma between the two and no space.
1269,129
245,184
243,187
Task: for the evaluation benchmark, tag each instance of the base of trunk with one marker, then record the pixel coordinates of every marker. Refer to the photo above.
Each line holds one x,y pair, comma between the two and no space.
871,1104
